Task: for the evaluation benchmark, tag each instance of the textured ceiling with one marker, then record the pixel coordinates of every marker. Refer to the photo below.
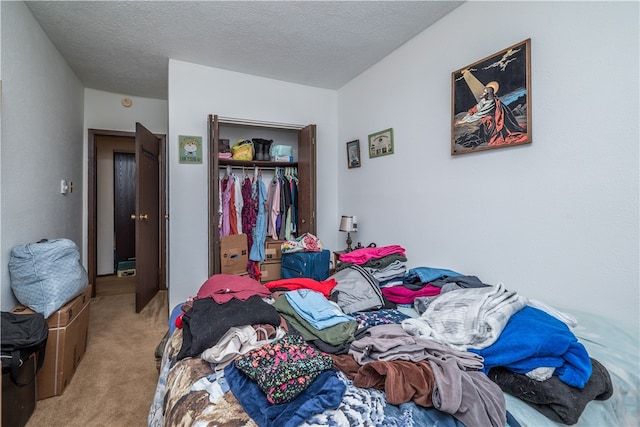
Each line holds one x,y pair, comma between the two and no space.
123,47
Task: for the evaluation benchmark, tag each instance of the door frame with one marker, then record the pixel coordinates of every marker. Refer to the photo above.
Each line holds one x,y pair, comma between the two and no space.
92,208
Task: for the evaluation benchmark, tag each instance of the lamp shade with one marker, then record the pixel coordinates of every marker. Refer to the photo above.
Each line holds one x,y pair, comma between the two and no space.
347,224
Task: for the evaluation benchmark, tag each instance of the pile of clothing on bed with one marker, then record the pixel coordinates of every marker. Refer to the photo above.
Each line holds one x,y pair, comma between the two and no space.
435,347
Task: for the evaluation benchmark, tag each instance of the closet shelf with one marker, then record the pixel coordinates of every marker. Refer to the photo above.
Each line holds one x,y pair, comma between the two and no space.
254,163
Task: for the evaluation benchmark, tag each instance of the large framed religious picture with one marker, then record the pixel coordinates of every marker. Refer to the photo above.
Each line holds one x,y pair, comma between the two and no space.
491,101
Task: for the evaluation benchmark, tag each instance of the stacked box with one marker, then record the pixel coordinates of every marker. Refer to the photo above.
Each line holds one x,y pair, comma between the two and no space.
270,271
234,254
66,345
273,249
270,268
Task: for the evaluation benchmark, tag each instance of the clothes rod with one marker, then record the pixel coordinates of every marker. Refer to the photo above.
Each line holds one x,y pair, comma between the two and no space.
256,168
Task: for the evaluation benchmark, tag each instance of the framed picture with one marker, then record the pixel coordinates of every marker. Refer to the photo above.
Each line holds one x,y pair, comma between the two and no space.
190,149
491,101
353,154
381,143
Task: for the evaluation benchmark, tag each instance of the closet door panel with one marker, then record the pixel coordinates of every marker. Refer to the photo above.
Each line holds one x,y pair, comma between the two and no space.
214,183
306,177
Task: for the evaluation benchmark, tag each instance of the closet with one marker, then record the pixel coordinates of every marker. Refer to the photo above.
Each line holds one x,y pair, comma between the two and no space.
302,139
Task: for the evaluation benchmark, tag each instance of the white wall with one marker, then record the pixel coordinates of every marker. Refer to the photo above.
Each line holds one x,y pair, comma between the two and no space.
42,107
104,111
556,220
195,92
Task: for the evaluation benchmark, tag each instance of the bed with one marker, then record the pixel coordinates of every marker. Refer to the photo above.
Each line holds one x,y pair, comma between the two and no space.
441,386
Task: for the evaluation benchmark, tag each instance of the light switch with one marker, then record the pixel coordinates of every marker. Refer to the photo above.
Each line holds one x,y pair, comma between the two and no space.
63,187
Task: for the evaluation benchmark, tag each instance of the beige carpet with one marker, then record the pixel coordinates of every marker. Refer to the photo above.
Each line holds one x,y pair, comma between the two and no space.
115,382
114,285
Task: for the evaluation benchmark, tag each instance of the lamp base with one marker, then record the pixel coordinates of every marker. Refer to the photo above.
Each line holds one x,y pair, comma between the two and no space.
349,241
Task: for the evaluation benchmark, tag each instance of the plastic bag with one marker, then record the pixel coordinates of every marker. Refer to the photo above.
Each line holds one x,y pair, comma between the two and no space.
46,275
281,150
242,150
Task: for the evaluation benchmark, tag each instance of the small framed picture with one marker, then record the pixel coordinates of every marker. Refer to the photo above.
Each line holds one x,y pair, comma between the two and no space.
353,154
190,149
381,143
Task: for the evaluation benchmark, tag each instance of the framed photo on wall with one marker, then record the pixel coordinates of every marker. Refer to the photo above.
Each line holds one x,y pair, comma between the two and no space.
190,149
353,154
491,101
381,143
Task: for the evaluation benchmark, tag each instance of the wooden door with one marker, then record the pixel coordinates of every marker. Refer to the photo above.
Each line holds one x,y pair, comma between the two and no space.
147,216
307,180
124,204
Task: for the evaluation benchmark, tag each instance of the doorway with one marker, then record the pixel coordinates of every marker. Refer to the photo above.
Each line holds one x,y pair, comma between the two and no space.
104,251
124,205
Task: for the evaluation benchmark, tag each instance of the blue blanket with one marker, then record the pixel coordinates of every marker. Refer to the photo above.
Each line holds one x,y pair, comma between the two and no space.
427,274
533,338
324,393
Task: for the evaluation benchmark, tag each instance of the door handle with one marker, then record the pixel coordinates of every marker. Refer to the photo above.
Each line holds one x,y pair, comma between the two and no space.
145,216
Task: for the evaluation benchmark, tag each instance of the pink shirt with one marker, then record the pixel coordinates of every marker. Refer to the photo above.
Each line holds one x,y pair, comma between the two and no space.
403,295
361,256
223,287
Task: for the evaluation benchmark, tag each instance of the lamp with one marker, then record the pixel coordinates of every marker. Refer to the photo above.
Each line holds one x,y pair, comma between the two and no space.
348,223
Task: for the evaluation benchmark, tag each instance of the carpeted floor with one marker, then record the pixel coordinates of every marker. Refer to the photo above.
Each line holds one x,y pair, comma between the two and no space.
115,381
114,285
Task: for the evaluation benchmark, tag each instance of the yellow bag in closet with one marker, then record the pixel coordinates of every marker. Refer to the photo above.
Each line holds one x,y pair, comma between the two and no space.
242,150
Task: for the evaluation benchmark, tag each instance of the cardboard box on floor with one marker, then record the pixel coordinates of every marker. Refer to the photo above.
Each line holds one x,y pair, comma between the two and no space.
273,249
66,345
270,271
234,254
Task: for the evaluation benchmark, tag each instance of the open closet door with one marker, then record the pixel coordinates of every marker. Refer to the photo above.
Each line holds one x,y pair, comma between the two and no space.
307,180
147,216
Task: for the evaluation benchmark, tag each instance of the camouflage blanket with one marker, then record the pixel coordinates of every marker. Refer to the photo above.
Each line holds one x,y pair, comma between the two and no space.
188,394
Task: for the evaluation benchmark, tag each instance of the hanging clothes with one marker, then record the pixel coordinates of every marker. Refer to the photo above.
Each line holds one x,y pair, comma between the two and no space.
294,203
249,210
291,225
239,202
285,226
260,230
220,209
225,187
233,217
273,207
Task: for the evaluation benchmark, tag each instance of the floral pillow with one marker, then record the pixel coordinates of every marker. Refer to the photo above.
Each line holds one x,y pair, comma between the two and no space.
284,368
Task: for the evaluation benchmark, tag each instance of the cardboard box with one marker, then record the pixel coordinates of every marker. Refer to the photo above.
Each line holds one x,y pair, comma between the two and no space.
66,345
273,249
234,254
270,271
66,313
65,348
